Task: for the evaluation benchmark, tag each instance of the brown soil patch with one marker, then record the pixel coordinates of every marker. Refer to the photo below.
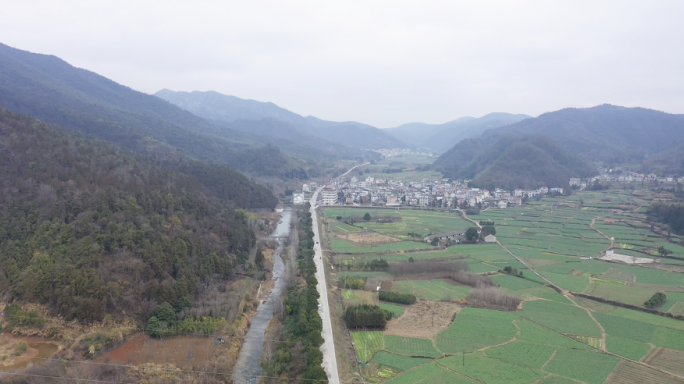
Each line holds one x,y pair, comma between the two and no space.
627,373
367,238
424,319
670,360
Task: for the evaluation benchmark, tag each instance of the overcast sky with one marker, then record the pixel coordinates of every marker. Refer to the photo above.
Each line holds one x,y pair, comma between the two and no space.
383,63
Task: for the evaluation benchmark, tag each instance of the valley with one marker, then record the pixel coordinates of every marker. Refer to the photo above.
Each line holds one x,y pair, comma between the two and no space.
547,302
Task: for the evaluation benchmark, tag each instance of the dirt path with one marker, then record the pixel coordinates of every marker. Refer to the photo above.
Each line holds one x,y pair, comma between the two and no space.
550,358
514,339
612,241
466,218
603,331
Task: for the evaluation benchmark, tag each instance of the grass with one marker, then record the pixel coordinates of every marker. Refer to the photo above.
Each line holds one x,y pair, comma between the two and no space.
410,346
520,352
628,348
402,363
367,343
434,290
590,367
397,310
474,328
562,318
491,370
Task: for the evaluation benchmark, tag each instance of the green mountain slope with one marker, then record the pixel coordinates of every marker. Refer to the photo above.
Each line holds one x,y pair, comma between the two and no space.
529,161
89,230
607,133
228,109
50,89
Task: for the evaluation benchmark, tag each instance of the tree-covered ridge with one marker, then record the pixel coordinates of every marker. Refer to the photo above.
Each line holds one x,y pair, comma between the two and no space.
670,214
88,230
511,162
50,89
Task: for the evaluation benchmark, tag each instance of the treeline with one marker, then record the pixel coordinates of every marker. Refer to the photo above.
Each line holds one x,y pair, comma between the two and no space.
394,297
88,230
366,316
472,279
492,298
298,355
670,214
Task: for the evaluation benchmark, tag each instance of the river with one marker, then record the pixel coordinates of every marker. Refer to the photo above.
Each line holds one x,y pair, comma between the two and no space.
248,365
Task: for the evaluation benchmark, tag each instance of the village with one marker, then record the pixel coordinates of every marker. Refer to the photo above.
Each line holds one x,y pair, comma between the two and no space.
441,194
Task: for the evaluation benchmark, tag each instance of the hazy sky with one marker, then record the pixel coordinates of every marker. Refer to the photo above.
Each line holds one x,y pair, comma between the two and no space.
383,63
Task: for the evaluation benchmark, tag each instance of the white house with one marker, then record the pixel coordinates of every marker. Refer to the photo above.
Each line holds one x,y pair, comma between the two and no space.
503,204
490,239
329,196
298,198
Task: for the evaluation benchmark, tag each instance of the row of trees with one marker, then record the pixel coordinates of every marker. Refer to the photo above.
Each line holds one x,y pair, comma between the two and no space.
395,297
298,355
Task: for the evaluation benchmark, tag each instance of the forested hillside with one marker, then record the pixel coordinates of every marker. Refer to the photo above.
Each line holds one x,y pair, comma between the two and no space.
529,161
607,133
228,109
90,231
50,89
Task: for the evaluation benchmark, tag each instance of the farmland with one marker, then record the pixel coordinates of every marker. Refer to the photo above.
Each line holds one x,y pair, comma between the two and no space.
551,334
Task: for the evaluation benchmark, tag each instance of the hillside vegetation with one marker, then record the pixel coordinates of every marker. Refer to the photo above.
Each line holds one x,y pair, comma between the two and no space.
50,89
512,162
88,230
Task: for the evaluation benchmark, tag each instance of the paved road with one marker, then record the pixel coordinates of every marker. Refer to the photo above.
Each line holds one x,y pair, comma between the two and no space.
328,347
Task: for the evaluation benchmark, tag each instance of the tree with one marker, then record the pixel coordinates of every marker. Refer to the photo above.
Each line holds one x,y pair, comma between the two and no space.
472,235
662,251
435,241
367,217
259,259
490,229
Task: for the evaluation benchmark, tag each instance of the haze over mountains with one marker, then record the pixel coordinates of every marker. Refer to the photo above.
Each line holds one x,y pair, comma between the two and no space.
441,137
265,140
229,109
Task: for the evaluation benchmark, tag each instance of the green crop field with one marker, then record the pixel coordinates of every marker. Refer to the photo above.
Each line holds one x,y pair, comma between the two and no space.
627,328
474,328
590,367
365,274
513,283
434,290
520,352
569,282
410,346
628,348
401,363
562,318
431,373
634,295
397,310
491,370
537,334
367,343
557,380
345,246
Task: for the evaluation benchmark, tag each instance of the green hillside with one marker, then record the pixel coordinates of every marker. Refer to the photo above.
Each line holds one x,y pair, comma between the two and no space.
89,230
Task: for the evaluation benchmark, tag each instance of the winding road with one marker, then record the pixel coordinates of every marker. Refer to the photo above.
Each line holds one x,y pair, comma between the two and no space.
328,348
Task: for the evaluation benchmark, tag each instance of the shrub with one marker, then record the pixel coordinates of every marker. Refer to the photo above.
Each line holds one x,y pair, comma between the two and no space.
352,282
394,297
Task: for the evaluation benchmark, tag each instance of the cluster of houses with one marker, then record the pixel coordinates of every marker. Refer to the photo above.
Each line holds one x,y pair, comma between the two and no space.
457,237
618,176
398,152
425,193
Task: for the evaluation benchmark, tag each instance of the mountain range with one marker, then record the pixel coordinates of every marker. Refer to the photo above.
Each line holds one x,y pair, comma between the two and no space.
243,114
557,145
441,137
